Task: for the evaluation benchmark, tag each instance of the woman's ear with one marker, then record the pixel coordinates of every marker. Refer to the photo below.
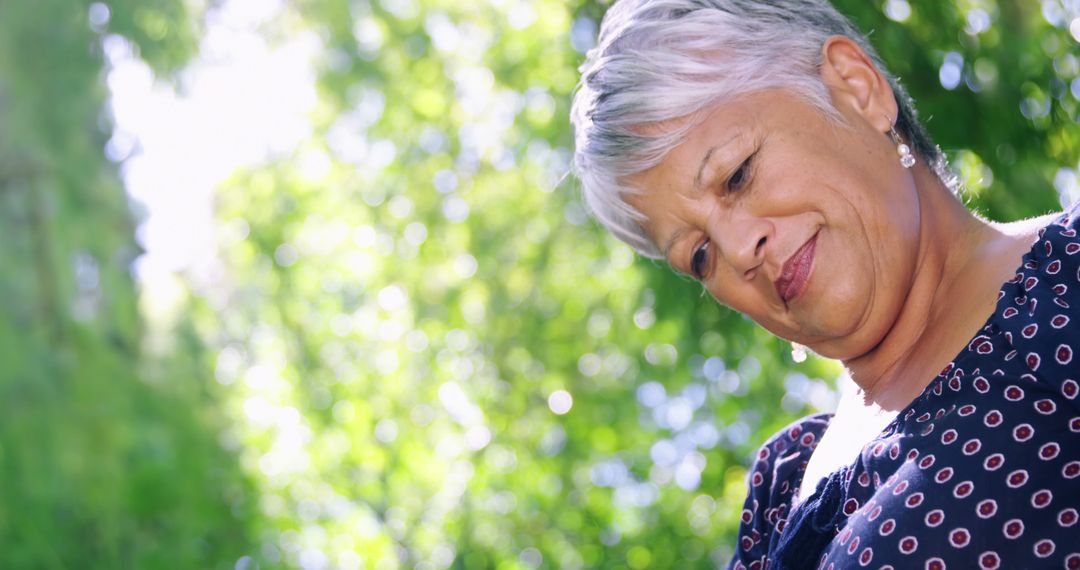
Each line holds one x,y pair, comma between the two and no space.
854,80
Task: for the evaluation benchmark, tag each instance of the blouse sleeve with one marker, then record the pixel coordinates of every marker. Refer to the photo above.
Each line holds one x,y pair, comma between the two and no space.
774,476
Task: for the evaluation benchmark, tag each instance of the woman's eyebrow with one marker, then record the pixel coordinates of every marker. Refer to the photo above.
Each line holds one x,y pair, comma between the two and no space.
701,169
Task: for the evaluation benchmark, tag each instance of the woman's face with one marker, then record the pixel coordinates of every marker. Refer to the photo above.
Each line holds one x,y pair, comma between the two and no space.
807,226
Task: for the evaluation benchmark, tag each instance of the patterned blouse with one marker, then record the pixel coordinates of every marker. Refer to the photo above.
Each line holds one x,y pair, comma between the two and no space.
982,470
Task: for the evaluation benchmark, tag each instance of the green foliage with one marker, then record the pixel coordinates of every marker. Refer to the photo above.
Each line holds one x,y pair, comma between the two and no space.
109,457
410,296
1011,122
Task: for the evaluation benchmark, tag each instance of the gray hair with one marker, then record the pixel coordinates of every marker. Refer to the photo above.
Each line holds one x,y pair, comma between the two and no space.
656,61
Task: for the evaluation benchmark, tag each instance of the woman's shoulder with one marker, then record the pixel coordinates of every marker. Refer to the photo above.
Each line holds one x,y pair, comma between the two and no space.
801,434
1037,225
776,472
1036,312
781,461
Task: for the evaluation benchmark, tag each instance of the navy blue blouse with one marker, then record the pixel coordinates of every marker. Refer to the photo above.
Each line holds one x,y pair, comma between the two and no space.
982,470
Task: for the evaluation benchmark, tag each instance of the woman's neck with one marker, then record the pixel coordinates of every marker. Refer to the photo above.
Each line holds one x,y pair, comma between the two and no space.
962,262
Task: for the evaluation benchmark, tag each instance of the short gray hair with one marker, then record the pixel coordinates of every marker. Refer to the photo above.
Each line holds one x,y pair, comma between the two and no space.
656,61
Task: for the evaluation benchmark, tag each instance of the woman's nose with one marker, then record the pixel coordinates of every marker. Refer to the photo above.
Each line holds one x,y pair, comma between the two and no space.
743,240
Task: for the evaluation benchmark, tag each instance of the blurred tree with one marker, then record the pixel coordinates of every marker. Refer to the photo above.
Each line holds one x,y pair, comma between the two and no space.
109,457
431,357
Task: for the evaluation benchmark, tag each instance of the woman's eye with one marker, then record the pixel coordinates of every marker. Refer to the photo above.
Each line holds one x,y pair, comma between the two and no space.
739,177
699,259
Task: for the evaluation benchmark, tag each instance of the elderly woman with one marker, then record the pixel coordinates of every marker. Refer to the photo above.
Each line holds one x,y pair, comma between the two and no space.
761,147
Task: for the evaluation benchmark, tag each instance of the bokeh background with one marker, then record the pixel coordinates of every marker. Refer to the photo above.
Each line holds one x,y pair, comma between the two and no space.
305,285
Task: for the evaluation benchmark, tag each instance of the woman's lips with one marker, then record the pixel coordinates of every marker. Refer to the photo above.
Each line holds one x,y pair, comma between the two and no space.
796,272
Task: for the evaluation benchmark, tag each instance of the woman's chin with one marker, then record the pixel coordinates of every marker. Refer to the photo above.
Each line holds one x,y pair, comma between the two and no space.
836,330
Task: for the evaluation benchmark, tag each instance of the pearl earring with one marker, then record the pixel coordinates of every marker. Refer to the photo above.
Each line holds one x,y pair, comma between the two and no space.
906,157
798,353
